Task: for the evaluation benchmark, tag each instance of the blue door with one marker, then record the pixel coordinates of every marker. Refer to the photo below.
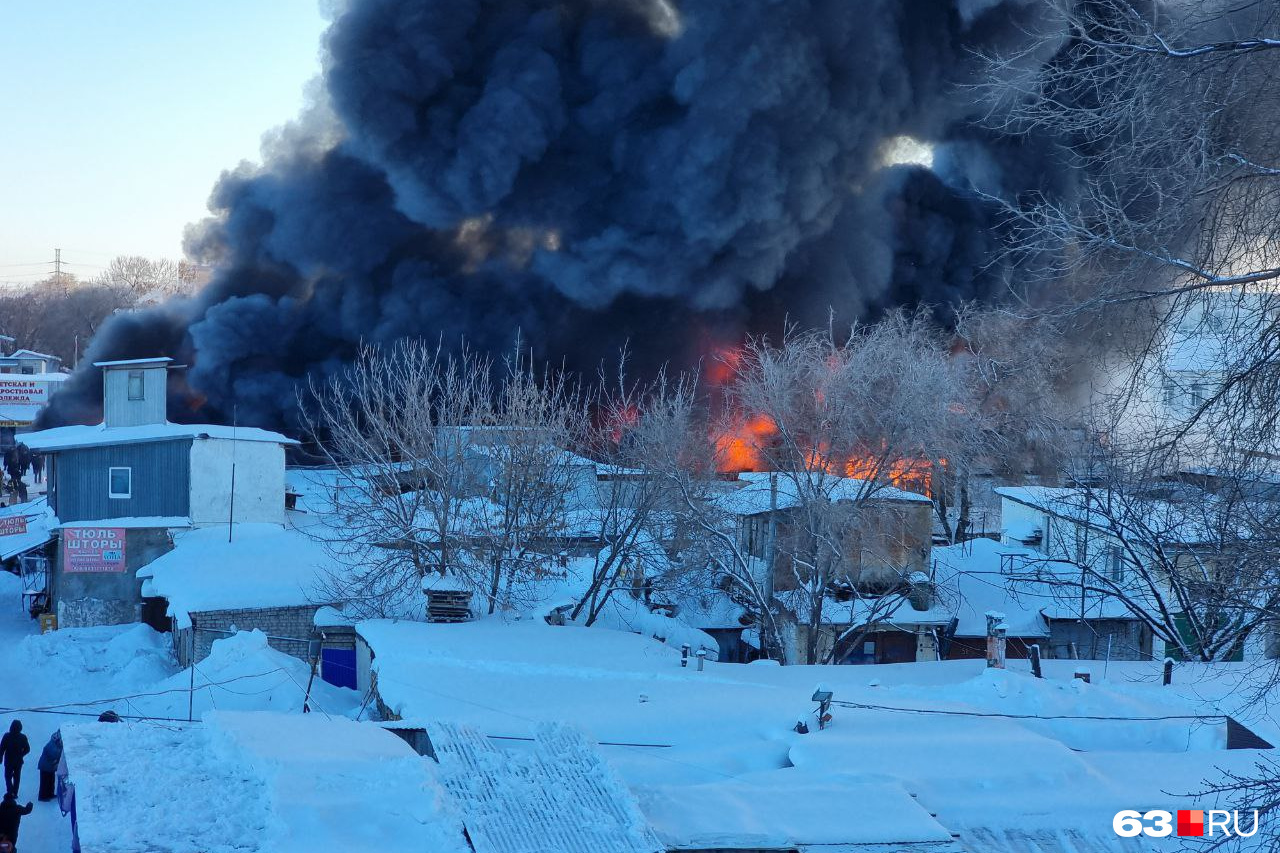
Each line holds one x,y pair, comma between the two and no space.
338,667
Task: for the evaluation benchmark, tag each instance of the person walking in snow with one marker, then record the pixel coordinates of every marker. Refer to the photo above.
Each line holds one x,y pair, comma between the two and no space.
11,817
48,766
14,747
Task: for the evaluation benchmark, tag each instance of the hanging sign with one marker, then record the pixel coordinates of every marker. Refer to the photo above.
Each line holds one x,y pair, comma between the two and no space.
92,549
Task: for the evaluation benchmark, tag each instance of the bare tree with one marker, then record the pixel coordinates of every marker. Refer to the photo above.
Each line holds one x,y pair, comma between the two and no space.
60,317
630,505
393,429
530,479
1019,384
143,276
852,422
704,530
838,427
1168,110
446,469
1193,559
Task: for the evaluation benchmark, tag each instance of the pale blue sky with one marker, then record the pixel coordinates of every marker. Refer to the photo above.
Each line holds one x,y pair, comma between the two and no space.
117,116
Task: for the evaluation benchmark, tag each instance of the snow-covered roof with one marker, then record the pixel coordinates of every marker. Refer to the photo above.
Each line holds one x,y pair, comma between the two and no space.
134,362
892,610
40,521
264,565
710,609
731,725
789,809
981,575
1175,522
969,576
68,437
252,783
755,497
26,353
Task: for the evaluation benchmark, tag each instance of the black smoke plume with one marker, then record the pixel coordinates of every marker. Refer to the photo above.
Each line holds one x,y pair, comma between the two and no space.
590,173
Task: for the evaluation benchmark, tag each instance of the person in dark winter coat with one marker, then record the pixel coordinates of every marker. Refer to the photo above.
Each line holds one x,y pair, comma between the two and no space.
48,765
11,817
14,747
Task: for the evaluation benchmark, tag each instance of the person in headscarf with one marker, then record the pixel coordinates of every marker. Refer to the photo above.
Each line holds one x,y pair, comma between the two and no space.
48,765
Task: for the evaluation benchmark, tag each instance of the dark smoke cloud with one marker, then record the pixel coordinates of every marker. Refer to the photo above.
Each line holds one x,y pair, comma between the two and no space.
589,172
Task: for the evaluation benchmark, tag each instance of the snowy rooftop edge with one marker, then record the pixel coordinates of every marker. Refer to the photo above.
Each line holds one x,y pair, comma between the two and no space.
69,437
130,522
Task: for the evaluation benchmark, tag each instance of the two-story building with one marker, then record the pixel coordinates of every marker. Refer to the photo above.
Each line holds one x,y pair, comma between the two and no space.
885,536
122,488
1067,542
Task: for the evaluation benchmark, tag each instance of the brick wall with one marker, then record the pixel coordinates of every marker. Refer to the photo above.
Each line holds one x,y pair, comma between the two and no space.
288,629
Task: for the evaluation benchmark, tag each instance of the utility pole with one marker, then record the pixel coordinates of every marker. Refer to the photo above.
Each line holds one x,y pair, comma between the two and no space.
57,265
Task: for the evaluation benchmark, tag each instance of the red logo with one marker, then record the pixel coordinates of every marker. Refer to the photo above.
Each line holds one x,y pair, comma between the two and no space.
1191,822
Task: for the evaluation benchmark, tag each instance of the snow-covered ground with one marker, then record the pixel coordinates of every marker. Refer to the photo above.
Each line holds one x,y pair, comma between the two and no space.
711,756
80,673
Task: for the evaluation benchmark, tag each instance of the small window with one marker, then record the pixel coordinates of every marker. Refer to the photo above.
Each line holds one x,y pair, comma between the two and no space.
1199,394
1117,564
29,371
137,386
120,482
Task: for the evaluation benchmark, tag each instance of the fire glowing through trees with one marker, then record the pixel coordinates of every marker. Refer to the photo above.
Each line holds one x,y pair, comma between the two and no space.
741,449
742,444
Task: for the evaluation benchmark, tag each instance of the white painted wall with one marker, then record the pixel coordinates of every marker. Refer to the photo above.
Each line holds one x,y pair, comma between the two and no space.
1063,539
259,495
1020,518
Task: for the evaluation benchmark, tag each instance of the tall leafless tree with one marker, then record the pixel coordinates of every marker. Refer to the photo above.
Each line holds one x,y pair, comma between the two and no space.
393,429
1168,112
60,317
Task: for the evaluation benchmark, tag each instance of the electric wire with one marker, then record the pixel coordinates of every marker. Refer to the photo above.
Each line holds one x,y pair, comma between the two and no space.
863,706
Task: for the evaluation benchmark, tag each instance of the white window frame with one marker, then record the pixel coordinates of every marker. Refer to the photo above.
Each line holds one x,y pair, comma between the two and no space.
111,492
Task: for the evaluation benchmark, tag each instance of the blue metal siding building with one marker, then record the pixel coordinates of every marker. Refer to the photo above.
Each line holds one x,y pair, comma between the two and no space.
159,474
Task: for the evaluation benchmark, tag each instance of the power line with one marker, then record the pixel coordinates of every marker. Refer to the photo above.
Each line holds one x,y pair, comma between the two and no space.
52,709
949,713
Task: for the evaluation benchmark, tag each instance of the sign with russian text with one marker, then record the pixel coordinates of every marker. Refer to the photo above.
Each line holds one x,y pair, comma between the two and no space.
22,392
12,525
92,549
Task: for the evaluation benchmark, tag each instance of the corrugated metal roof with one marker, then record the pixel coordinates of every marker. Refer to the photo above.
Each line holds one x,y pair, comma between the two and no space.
561,796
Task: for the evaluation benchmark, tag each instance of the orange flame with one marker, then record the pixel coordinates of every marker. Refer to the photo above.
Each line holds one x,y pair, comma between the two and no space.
740,446
741,450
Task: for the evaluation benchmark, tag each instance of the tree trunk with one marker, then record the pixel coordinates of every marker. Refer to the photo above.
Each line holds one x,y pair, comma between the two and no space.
963,523
767,619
